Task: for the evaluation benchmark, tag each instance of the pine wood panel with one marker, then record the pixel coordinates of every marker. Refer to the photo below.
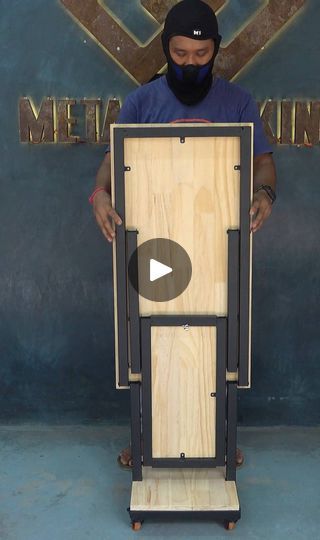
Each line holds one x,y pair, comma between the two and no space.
188,193
183,375
184,489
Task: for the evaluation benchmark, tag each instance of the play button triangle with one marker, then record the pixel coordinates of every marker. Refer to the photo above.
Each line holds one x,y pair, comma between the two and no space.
145,269
158,269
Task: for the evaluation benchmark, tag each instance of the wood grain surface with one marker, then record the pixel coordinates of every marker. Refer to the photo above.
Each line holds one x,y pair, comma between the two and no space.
184,489
188,193
183,375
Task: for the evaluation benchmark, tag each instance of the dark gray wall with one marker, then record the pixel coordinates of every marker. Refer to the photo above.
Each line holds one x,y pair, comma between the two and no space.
56,326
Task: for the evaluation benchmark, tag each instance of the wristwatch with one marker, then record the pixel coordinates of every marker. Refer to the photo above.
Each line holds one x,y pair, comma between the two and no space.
269,191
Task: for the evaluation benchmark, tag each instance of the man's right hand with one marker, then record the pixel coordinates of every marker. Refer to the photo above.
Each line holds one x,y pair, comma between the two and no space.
105,215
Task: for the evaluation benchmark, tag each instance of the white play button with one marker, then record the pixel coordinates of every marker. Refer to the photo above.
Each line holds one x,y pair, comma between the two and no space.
158,270
145,270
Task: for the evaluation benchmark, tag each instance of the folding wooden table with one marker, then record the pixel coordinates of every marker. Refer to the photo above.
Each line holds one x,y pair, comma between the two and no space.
184,358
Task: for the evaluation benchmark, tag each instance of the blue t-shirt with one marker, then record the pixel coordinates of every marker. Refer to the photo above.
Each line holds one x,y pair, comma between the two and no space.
155,103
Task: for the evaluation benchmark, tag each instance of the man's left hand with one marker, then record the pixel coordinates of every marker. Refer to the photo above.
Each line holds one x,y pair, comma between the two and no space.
260,210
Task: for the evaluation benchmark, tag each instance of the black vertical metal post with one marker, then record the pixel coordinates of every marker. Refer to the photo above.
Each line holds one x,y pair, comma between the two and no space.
221,363
121,267
146,390
245,201
231,430
133,298
233,299
136,448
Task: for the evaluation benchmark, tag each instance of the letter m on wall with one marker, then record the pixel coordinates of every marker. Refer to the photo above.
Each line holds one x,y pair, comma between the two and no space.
36,127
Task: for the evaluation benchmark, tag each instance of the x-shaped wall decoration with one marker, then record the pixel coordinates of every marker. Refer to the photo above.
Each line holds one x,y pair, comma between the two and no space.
143,61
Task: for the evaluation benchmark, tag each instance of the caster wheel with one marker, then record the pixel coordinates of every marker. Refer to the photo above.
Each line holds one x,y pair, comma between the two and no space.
230,525
136,525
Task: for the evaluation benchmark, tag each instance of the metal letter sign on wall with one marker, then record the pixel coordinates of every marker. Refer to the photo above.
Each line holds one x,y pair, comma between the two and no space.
285,122
144,61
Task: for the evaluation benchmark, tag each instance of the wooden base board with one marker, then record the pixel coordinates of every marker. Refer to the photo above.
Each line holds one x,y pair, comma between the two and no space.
184,490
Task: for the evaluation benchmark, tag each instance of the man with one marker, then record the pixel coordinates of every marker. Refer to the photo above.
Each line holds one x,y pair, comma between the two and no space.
189,93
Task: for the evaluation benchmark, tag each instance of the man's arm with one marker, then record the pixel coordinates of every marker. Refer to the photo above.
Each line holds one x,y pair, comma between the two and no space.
105,215
264,173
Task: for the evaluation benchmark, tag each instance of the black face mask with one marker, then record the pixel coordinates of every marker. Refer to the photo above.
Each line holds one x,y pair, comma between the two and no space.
195,20
190,84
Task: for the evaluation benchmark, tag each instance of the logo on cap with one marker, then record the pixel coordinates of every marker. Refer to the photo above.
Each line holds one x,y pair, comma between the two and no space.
197,32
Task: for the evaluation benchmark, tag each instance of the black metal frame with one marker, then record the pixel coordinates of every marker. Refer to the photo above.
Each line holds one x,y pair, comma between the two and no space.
180,320
245,171
245,202
136,439
175,130
133,307
215,515
231,466
121,274
233,299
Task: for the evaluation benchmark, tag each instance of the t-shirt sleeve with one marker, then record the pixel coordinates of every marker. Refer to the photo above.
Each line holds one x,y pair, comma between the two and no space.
250,113
128,112
127,115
